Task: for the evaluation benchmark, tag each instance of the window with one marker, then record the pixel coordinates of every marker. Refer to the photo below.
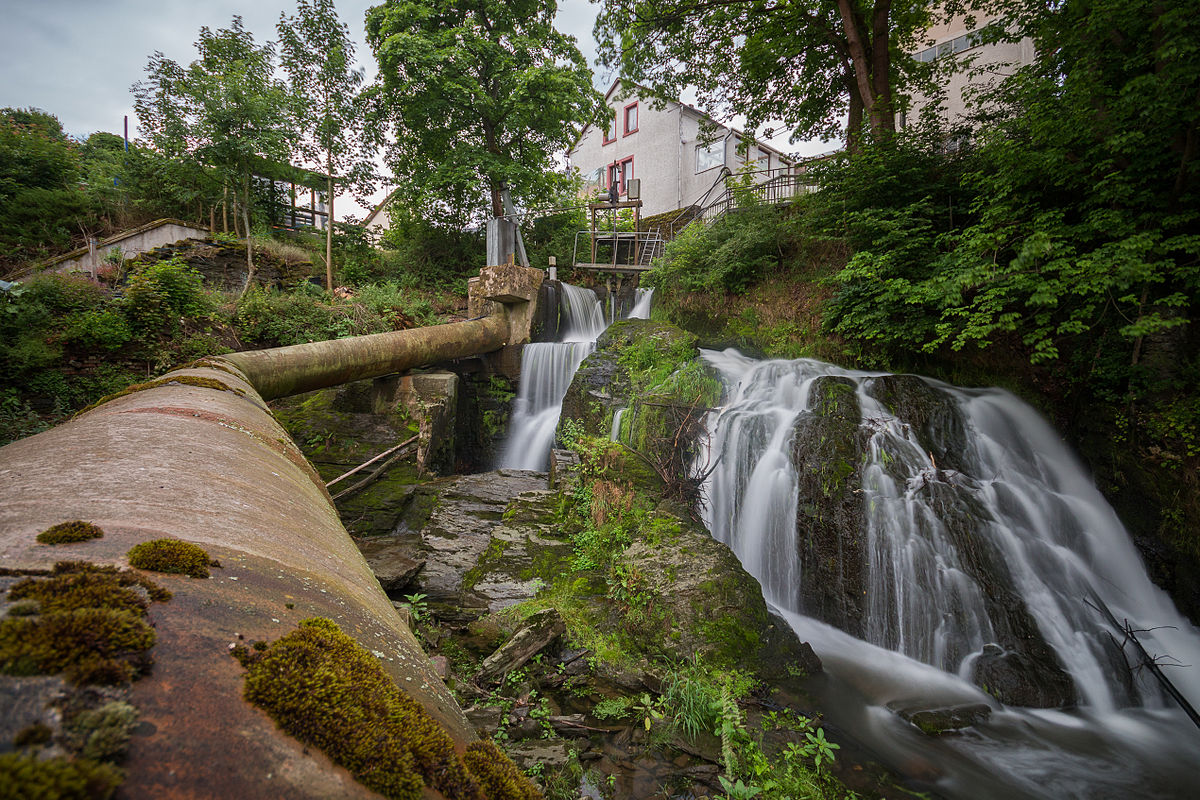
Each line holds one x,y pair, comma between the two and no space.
595,177
763,161
619,172
610,133
711,155
631,118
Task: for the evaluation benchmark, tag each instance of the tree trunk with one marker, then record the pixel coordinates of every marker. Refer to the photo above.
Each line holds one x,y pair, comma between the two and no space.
870,63
329,222
246,224
881,66
497,203
225,209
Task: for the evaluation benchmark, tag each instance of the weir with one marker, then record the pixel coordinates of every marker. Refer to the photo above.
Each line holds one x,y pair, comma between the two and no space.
196,455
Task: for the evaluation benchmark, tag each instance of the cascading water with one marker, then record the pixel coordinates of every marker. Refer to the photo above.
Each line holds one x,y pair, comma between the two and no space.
992,557
546,372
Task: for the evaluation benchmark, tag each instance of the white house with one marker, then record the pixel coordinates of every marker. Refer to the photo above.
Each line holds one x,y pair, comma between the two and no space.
954,37
675,151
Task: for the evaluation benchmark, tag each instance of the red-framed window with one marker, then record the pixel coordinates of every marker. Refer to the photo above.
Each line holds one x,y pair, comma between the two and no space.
610,135
631,118
618,173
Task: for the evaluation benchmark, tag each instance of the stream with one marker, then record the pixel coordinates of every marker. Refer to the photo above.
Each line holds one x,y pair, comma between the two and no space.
932,620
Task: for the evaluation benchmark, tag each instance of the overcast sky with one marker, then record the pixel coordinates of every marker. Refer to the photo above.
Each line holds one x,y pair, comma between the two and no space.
77,59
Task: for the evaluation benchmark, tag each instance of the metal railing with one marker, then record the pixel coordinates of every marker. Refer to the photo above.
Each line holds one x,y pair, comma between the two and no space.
622,251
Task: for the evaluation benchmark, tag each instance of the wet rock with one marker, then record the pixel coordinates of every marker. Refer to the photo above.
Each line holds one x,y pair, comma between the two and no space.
460,527
432,399
931,413
1021,669
553,753
831,537
695,598
561,464
485,719
939,721
1022,678
535,634
395,560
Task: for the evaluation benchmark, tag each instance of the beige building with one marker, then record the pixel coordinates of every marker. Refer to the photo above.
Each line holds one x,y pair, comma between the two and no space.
675,151
954,37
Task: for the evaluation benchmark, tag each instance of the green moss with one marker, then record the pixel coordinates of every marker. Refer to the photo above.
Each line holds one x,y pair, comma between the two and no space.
496,774
323,688
91,626
186,380
102,733
65,532
172,556
38,733
58,778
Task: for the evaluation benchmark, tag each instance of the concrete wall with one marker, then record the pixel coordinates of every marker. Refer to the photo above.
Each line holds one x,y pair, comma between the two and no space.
131,243
999,59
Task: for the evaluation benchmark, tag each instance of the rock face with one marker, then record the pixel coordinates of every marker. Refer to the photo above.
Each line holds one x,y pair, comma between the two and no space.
939,721
828,454
693,597
830,448
930,413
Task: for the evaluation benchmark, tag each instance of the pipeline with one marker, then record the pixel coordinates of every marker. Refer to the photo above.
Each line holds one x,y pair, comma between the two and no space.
197,455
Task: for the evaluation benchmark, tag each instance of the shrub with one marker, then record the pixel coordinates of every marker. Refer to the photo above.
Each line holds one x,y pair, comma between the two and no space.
161,293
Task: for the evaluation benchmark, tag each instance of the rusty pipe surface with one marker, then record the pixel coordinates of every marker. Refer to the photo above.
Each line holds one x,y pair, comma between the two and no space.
284,371
198,456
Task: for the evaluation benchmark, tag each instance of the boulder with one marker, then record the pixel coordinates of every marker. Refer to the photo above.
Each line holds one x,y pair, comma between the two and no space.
932,415
688,594
939,721
828,453
395,560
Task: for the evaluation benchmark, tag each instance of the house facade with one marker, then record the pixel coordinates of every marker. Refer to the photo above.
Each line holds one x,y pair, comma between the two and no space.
675,151
954,37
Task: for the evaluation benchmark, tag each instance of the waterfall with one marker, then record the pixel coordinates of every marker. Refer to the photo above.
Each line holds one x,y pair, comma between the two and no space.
546,372
967,555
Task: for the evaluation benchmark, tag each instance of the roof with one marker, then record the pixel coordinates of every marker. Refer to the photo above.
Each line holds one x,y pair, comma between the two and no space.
741,134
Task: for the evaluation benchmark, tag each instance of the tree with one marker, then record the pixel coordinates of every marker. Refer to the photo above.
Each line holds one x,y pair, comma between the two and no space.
41,198
478,95
809,63
225,110
317,54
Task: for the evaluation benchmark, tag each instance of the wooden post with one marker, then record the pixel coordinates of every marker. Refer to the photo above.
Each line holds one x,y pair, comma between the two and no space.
637,231
593,237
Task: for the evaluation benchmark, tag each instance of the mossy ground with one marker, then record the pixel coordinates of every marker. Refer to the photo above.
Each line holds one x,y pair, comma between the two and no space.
69,532
172,556
322,687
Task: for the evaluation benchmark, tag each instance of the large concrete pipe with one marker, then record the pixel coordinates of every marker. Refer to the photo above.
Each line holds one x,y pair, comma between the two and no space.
196,455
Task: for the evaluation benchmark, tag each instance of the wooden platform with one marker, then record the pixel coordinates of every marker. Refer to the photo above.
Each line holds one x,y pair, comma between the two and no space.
612,267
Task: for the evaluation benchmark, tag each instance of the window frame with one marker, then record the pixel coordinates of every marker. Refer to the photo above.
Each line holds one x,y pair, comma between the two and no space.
709,150
637,115
613,129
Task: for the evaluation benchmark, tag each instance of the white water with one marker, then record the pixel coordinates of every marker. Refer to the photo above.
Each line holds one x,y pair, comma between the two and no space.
926,615
546,372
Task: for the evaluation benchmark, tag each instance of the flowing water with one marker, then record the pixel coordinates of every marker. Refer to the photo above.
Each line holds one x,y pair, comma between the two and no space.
547,369
1060,550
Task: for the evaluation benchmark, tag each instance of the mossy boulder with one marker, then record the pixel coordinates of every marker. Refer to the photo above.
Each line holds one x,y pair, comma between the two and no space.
931,413
687,594
652,370
828,450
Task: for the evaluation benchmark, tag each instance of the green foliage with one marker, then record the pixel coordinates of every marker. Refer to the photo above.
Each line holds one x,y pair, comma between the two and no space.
172,556
102,733
317,54
729,255
160,294
66,532
1068,228
325,689
423,253
477,97
40,169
